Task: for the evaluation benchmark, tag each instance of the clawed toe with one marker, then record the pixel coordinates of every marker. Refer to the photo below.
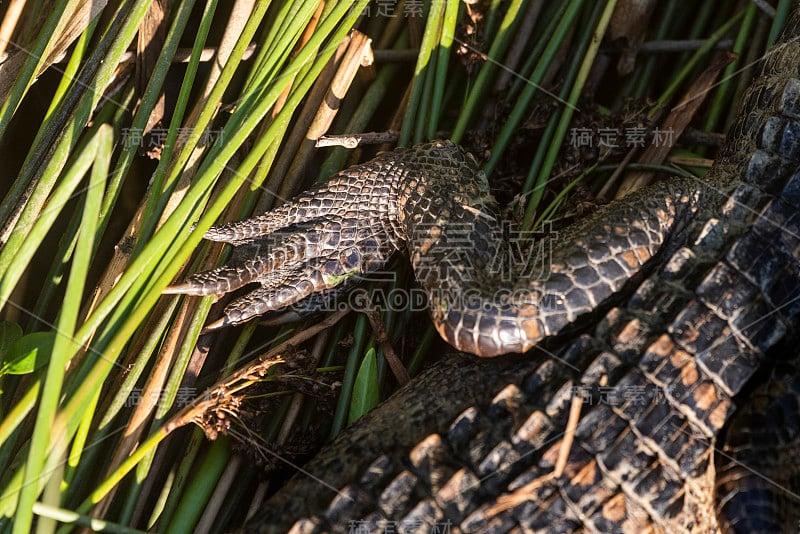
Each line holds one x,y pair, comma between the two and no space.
185,288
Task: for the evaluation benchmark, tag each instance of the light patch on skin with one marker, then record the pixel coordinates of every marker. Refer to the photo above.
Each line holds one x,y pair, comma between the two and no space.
614,509
426,245
335,279
536,425
532,329
587,476
705,396
689,375
680,358
630,259
528,310
643,253
719,415
630,332
663,346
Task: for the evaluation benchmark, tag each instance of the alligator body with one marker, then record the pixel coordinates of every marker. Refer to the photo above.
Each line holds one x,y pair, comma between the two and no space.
686,371
690,419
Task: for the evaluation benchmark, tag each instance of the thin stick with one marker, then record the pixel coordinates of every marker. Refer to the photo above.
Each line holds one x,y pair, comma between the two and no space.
355,140
569,435
382,338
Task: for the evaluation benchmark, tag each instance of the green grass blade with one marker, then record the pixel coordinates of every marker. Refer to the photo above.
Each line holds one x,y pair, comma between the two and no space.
366,389
64,345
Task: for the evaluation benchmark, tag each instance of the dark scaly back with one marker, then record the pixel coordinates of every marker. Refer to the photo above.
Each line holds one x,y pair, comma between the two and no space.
757,473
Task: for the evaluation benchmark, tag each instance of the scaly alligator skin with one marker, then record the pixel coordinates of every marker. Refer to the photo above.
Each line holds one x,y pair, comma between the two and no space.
675,318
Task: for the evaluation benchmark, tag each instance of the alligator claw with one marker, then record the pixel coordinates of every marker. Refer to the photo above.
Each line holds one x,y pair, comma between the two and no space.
301,252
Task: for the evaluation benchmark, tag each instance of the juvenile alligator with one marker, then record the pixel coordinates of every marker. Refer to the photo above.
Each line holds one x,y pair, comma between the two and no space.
673,314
